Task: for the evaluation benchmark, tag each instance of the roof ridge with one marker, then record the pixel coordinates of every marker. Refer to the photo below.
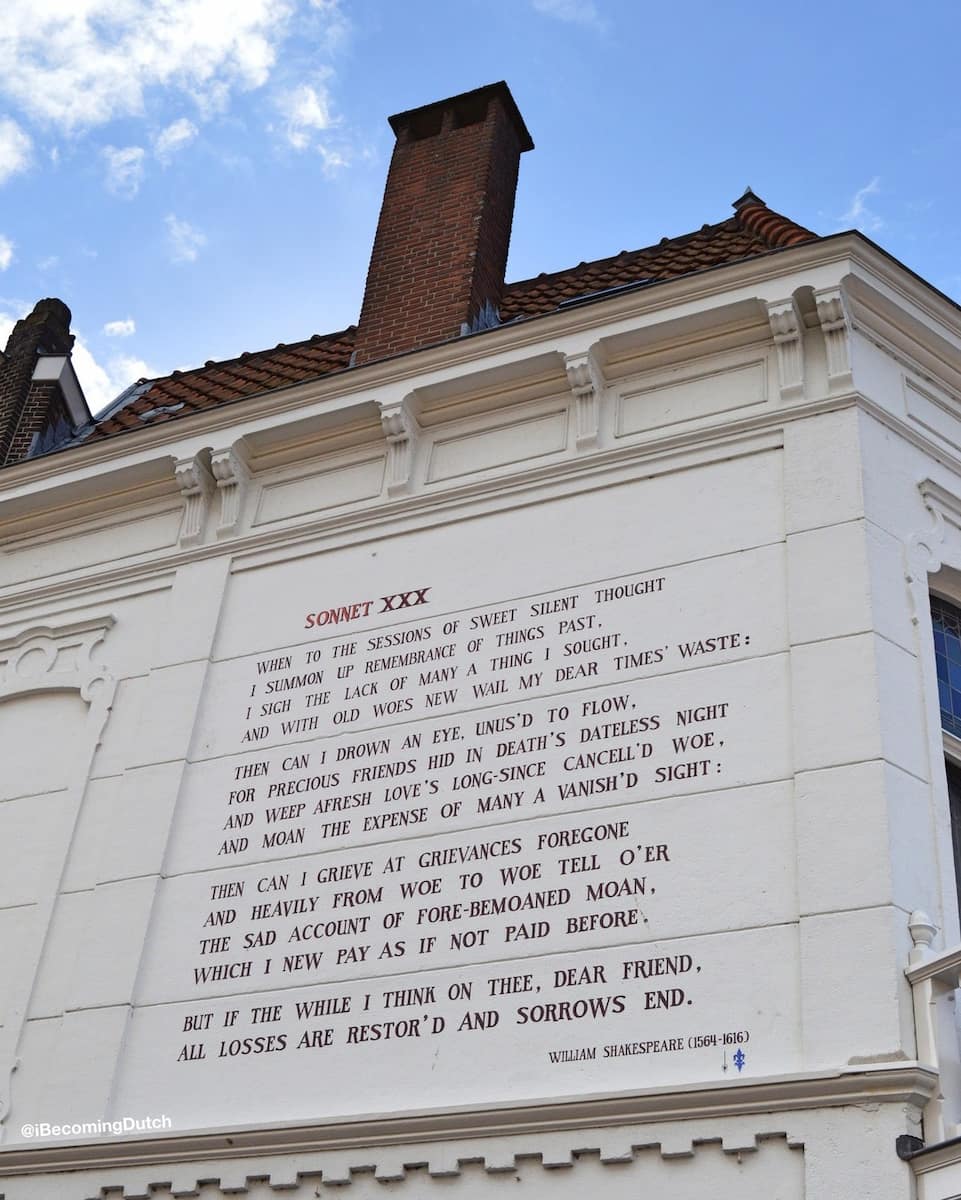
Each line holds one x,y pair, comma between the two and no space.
678,240
246,355
752,214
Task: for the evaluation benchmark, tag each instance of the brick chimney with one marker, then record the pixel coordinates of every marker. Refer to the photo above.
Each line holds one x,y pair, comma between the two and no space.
41,403
440,251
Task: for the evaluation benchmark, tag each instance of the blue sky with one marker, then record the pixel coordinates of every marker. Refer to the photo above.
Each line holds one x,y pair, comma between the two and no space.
200,177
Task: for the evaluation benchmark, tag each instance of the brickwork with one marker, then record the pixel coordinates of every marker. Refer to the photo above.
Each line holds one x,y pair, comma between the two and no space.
441,245
44,413
28,408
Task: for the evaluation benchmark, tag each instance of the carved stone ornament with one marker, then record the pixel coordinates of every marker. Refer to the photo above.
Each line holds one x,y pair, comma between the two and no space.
586,381
230,470
403,434
927,551
787,328
55,660
196,486
833,318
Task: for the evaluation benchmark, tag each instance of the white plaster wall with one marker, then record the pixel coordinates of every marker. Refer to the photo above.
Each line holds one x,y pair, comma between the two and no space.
920,845
798,530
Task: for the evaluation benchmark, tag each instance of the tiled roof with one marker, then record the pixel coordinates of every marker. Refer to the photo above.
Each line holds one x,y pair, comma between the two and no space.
218,383
753,230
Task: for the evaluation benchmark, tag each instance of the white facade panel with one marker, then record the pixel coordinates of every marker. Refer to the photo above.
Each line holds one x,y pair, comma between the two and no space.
547,794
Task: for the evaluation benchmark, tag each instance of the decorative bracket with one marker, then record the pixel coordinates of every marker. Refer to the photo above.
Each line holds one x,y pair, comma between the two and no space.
196,486
787,326
930,548
231,472
586,381
926,551
403,434
832,314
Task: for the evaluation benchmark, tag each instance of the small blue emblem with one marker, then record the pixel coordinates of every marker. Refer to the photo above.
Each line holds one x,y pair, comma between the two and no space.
739,1059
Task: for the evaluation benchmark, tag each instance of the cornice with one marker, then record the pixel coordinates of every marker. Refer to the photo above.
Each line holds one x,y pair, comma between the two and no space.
903,334
78,499
932,448
940,500
568,474
331,401
907,286
392,378
602,468
907,1083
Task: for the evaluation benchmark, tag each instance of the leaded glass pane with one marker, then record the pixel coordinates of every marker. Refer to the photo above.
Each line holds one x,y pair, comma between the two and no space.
947,653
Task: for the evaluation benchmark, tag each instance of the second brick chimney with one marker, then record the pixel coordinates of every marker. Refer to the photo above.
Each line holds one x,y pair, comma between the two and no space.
440,251
41,402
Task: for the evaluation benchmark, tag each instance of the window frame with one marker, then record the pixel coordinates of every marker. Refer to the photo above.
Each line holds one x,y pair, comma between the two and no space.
951,745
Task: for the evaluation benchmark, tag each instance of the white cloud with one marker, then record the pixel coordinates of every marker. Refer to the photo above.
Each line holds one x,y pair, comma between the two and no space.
173,138
48,263
81,63
859,214
120,328
306,112
125,169
6,252
103,382
184,240
332,160
575,12
125,369
15,149
307,121
98,387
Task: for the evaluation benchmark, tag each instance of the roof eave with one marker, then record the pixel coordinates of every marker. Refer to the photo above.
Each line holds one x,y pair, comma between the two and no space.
830,258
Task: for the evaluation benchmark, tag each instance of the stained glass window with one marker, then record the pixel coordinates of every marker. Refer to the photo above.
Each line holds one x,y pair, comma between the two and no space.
947,652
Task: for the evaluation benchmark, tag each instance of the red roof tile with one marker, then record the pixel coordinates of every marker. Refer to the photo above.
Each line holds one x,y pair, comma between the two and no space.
753,230
218,383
